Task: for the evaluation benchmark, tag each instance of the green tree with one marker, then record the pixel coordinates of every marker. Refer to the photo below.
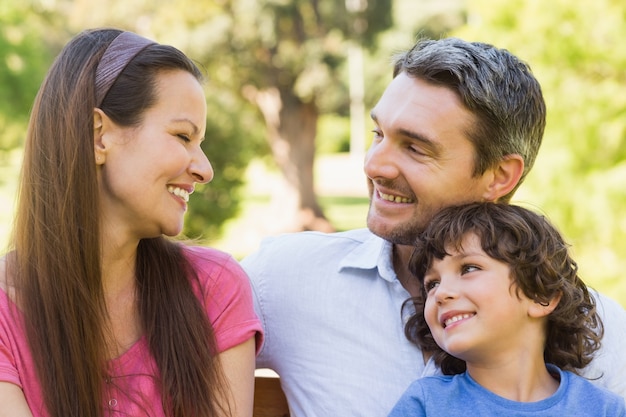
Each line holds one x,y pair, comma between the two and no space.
275,56
274,66
25,53
33,32
287,57
575,49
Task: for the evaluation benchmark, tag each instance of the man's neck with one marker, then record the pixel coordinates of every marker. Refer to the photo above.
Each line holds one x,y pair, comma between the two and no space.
401,256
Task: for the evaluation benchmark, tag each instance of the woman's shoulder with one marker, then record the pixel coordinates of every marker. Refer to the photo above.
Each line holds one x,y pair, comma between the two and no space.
213,266
203,255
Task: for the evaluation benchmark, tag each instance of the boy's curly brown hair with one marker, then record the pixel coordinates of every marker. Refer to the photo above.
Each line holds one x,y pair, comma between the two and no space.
541,268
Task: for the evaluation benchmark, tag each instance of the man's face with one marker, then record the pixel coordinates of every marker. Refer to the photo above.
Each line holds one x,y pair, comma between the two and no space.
420,160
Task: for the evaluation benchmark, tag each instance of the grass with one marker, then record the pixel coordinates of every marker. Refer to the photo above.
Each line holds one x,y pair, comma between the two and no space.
345,213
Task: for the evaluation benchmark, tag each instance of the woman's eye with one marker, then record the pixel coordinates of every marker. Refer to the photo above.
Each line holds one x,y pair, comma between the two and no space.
184,137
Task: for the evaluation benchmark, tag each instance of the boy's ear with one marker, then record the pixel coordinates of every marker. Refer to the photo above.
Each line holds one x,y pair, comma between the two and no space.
505,177
539,310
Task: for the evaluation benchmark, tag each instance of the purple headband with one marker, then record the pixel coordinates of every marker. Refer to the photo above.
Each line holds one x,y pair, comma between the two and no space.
117,55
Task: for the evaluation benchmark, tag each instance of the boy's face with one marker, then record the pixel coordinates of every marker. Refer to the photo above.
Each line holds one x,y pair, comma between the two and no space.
474,311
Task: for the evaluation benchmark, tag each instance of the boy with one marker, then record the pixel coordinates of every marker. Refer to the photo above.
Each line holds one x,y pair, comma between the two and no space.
506,317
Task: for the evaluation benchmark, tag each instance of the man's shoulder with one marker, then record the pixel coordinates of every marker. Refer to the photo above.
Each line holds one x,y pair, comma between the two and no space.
309,248
317,240
608,306
354,234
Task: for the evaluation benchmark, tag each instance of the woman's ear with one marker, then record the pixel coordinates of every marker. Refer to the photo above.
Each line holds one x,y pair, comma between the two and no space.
99,145
506,176
539,310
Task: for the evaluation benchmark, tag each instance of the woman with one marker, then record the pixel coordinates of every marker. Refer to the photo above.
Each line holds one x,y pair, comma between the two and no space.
101,313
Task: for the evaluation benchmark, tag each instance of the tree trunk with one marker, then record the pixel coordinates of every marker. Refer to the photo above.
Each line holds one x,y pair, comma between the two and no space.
292,127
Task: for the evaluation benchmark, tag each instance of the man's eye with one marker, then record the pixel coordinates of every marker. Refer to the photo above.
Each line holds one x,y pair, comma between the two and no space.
416,150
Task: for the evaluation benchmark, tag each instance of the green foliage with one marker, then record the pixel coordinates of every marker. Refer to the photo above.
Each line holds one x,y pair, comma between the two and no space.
333,134
576,51
242,44
297,45
574,47
24,58
295,48
412,19
32,33
234,136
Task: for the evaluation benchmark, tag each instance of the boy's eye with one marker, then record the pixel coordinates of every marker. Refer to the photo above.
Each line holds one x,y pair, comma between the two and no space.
469,268
430,285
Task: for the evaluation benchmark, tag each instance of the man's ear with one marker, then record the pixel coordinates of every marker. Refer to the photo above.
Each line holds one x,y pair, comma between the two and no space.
539,310
100,122
505,176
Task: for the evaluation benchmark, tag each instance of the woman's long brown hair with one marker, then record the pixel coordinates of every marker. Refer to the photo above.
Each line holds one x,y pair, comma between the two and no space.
56,239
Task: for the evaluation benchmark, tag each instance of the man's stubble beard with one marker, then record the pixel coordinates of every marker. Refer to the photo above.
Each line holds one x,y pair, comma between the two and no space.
401,234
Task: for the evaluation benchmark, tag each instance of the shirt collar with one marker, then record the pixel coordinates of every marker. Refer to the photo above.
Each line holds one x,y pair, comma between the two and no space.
373,253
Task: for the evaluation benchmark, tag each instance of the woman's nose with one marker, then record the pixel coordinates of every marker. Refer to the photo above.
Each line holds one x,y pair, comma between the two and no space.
200,167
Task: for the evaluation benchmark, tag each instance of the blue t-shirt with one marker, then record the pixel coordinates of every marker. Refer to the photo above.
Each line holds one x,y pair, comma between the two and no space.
459,395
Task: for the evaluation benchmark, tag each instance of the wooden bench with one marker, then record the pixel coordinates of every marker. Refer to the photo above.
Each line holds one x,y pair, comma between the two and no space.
269,399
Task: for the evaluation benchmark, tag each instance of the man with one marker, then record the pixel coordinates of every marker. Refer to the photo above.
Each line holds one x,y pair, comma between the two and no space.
459,122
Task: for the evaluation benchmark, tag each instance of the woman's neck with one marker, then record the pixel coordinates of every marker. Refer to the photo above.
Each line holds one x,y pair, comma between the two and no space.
119,284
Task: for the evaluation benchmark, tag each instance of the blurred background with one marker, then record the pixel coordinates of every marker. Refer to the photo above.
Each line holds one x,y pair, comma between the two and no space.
290,86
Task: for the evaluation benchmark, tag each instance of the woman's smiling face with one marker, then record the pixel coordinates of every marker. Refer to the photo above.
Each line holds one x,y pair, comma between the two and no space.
148,171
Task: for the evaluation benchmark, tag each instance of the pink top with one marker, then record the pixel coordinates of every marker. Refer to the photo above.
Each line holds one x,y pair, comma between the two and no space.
131,391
